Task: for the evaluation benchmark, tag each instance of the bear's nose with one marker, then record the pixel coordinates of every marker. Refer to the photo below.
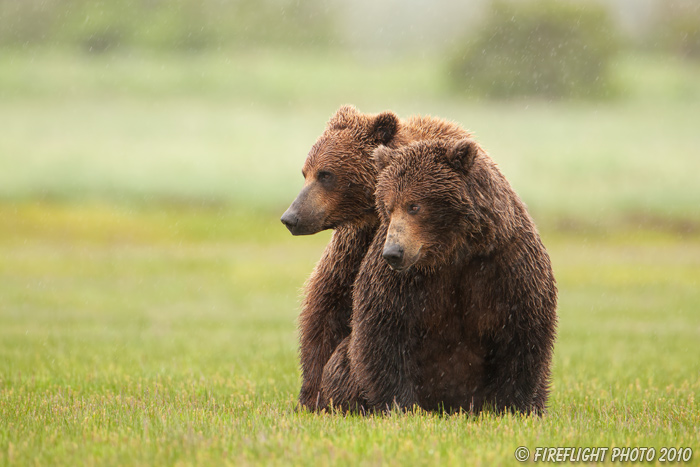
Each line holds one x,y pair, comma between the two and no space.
393,254
290,219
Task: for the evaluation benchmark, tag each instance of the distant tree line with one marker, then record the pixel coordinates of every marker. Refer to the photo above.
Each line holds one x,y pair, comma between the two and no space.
540,48
545,48
560,49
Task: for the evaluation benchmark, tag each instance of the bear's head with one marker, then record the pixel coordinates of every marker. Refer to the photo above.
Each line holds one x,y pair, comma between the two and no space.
339,174
440,200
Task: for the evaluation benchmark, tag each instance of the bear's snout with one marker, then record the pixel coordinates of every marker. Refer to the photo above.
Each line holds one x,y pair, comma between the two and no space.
393,254
290,220
307,213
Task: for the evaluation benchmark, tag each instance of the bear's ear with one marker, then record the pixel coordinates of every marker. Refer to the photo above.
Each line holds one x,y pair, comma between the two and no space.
462,154
345,117
384,127
382,157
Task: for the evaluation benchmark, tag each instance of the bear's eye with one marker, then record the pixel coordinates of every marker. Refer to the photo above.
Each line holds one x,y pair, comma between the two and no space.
324,177
413,209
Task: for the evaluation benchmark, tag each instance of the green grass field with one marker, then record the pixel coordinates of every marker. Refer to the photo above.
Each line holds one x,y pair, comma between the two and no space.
149,293
168,336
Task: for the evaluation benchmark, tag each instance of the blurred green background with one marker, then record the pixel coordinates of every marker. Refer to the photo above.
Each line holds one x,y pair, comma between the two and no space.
590,108
148,291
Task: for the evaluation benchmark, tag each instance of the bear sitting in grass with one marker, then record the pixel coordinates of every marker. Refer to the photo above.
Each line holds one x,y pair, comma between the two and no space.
338,193
455,301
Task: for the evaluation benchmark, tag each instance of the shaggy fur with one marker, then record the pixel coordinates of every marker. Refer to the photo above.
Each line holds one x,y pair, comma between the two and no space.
340,180
465,317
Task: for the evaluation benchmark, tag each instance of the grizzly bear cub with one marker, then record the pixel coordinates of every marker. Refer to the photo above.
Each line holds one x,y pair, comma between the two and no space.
455,301
338,193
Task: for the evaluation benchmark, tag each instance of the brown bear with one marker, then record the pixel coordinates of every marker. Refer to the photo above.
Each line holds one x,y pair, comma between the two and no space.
338,193
455,301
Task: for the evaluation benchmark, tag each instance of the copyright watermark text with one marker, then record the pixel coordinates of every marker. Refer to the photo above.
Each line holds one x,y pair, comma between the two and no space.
604,454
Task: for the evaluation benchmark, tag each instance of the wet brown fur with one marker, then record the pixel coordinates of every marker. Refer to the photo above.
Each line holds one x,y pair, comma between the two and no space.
471,324
348,207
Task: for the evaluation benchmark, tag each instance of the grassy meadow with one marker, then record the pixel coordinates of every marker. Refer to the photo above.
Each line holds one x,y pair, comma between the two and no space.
148,292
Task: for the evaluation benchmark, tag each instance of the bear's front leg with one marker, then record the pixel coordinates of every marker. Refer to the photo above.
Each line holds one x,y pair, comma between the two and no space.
325,317
382,355
320,335
518,368
339,389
